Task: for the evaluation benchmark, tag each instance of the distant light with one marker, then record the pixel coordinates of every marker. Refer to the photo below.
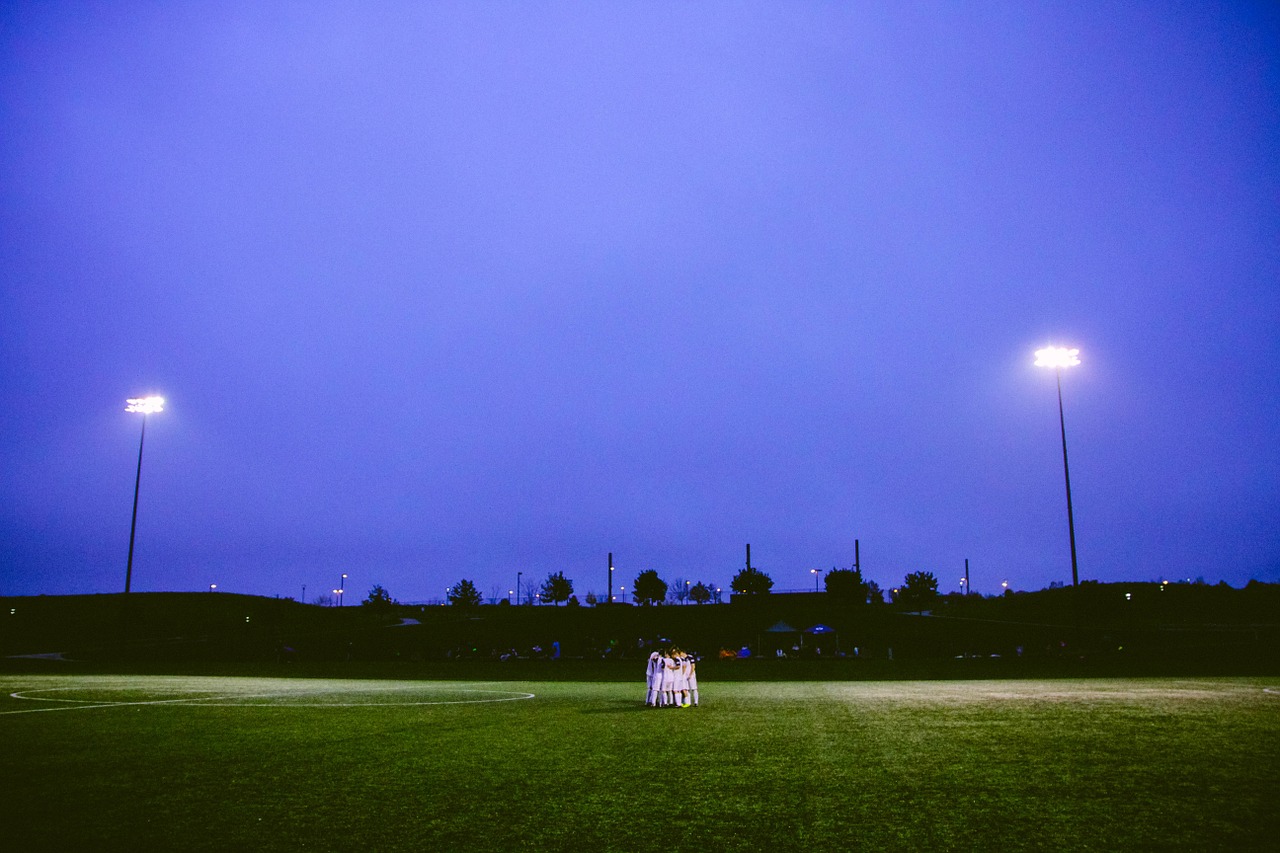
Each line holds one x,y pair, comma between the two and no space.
144,405
1057,357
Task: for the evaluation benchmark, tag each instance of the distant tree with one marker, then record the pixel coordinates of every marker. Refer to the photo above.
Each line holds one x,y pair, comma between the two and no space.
751,581
847,585
701,593
379,598
918,589
680,589
464,594
875,595
556,588
648,588
591,598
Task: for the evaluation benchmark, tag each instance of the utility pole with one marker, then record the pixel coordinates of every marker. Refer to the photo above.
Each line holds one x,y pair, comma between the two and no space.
609,597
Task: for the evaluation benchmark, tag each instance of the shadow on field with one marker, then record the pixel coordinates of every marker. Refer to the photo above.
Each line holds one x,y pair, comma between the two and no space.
616,706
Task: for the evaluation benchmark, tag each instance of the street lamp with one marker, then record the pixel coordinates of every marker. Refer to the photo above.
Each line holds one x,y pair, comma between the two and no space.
342,587
816,573
212,587
1058,358
143,406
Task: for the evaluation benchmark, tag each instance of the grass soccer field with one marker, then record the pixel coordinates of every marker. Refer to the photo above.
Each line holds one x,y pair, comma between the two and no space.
194,763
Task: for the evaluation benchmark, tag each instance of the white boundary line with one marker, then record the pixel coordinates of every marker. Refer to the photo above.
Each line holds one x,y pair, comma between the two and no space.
1274,691
226,701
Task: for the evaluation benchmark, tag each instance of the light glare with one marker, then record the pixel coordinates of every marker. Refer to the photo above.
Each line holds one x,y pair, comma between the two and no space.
145,405
1057,357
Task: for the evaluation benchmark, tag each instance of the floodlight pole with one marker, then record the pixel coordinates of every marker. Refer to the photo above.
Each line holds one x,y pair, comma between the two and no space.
1066,473
133,525
1058,358
144,406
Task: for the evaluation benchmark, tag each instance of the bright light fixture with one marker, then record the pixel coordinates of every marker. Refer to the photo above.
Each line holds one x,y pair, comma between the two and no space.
145,405
1057,357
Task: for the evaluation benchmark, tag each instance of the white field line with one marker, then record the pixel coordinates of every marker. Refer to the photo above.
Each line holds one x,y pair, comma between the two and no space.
228,701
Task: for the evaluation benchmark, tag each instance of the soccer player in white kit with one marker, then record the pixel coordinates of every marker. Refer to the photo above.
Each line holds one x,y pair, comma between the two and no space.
653,679
668,679
680,689
692,678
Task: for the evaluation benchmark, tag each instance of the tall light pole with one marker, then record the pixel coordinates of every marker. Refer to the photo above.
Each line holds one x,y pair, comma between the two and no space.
816,573
1058,358
342,588
143,406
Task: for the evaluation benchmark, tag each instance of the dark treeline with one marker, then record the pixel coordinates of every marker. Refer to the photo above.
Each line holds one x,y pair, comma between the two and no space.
1103,628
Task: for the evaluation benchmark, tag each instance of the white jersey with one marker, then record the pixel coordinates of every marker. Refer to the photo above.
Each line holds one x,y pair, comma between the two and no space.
653,672
681,675
692,675
668,674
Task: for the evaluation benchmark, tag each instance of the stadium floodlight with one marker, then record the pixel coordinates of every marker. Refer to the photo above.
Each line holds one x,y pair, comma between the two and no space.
144,406
1058,358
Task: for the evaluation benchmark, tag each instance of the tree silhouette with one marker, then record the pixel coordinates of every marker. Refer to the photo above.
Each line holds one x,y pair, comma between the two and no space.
751,581
648,588
918,589
379,598
701,593
464,594
847,585
556,588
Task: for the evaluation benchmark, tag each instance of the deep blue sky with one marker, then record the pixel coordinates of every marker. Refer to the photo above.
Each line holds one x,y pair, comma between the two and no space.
455,290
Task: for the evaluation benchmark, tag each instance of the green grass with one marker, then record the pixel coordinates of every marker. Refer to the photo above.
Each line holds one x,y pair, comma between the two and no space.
292,764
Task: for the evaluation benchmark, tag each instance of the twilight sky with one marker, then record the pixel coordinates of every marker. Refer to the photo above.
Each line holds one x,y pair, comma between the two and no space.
455,290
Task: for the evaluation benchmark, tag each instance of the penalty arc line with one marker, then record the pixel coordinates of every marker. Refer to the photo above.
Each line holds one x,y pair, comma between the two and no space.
227,701
82,707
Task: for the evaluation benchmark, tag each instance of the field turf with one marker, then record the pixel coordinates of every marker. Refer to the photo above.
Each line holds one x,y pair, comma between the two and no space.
196,763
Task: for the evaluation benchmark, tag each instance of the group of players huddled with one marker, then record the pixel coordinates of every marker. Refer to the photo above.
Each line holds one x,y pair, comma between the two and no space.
672,676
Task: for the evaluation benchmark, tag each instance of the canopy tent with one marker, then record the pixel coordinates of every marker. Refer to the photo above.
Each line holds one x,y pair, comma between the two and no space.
780,637
823,639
